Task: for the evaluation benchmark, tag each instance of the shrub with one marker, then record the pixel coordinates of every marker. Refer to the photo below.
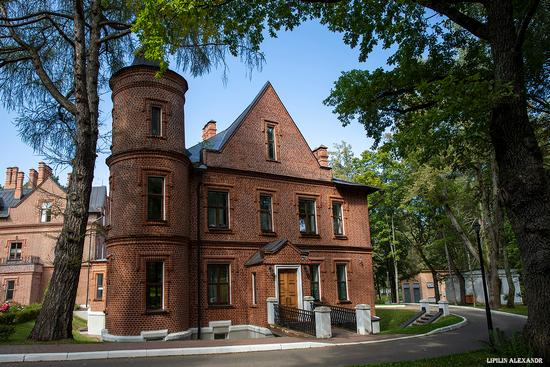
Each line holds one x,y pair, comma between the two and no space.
27,313
7,318
510,346
6,331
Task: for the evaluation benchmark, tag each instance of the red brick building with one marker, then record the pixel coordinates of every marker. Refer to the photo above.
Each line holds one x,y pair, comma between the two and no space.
210,232
31,218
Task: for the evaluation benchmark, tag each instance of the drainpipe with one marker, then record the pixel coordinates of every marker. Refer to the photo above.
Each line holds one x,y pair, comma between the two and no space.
199,170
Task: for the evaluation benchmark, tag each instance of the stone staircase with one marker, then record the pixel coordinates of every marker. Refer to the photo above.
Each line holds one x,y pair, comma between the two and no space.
428,318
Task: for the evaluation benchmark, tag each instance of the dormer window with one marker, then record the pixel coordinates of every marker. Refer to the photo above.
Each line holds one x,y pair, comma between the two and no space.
271,150
46,212
156,121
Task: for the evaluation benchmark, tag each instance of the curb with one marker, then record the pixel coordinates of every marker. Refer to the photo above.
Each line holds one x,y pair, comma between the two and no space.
73,356
492,311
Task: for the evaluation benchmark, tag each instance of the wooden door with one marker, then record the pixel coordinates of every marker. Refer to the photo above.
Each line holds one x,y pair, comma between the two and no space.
288,287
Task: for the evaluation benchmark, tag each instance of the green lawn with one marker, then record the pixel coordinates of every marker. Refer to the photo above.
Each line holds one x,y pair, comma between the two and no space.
470,359
23,330
391,321
518,309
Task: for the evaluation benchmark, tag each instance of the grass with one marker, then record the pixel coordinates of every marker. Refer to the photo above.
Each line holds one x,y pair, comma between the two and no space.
517,309
391,321
470,359
23,330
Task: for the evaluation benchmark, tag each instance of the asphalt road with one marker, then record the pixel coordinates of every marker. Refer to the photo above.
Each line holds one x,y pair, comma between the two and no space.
473,336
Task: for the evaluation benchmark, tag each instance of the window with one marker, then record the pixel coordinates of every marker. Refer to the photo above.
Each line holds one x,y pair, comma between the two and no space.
307,216
342,282
218,284
314,272
15,251
10,288
266,212
254,294
337,219
100,247
156,121
99,286
271,153
155,198
46,212
154,292
217,209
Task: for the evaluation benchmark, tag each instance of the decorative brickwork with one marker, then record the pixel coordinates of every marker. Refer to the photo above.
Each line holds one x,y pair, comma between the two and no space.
242,167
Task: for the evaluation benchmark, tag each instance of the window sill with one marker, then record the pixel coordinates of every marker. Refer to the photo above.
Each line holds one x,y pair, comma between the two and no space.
156,223
344,302
218,307
310,235
268,234
156,312
97,300
254,306
273,160
340,237
160,137
220,230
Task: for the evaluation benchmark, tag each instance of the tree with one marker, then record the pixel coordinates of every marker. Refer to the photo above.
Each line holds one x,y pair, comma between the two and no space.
496,29
55,58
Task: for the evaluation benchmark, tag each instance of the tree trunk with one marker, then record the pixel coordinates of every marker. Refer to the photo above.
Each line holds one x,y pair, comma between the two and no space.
469,246
510,301
461,280
432,270
524,182
55,319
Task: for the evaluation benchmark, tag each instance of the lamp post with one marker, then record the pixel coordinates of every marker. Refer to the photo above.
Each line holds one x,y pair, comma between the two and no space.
477,228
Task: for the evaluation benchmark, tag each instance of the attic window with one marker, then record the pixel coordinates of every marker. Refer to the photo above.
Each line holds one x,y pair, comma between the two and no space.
46,213
271,151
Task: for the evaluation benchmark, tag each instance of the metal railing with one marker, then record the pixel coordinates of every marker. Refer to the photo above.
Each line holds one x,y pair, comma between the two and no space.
27,260
343,317
295,319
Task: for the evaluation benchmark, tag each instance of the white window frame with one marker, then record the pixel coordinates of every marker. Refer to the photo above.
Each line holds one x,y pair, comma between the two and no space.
341,216
271,208
43,210
254,284
275,150
314,215
97,288
347,283
318,277
20,251
230,281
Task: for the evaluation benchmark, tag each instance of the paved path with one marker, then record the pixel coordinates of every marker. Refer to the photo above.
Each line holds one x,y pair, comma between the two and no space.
470,337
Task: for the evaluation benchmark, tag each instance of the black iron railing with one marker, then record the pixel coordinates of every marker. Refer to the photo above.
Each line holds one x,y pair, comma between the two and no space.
343,317
295,319
340,316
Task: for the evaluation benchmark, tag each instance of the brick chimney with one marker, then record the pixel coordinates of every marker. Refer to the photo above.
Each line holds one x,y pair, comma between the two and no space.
321,154
209,130
44,172
11,177
33,178
19,185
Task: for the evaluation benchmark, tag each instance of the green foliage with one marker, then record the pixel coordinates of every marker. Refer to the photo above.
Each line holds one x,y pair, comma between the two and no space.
514,346
27,313
6,331
391,319
7,318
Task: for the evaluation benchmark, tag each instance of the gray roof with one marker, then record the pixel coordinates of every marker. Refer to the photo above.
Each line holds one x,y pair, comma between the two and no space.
218,141
97,199
270,248
7,200
348,184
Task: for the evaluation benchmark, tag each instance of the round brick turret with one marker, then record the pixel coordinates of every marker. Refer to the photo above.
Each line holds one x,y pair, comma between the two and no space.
149,209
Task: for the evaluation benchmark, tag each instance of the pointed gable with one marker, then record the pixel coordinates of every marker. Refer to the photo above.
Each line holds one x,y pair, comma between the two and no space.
244,145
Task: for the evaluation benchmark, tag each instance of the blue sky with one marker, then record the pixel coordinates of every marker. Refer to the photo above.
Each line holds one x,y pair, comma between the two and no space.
302,65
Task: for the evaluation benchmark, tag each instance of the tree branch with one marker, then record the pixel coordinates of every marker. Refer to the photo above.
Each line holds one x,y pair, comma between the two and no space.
531,10
39,69
472,25
113,36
